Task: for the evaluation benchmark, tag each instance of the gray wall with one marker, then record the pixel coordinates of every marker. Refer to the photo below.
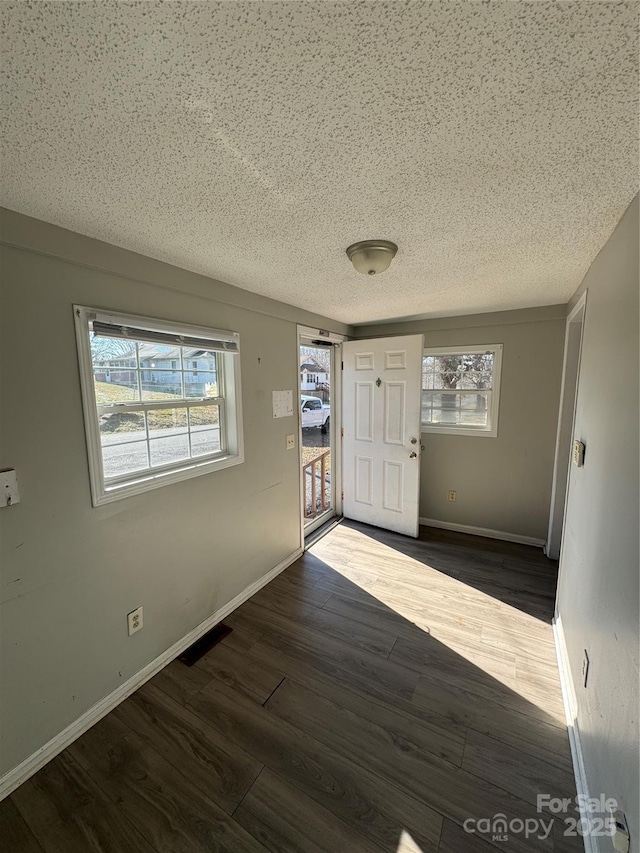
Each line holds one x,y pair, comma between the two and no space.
598,588
503,483
70,572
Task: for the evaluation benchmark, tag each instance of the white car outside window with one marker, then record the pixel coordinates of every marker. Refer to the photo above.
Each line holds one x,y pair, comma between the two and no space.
315,413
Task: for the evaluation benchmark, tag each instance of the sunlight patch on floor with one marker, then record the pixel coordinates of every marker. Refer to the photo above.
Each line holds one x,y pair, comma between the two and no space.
428,586
451,611
406,844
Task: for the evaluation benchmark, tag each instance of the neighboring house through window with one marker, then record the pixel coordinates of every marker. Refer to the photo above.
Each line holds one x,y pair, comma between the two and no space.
460,390
311,374
150,419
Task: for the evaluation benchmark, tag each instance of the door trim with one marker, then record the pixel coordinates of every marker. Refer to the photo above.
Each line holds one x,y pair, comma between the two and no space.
574,332
309,333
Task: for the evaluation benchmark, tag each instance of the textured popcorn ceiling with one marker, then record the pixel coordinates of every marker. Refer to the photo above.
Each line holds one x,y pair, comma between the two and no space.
496,143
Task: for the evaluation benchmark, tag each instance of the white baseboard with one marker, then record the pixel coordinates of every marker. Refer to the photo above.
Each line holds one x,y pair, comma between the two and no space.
591,844
483,531
15,777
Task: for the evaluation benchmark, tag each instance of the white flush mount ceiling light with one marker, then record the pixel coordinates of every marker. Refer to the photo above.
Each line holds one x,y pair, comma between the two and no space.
372,256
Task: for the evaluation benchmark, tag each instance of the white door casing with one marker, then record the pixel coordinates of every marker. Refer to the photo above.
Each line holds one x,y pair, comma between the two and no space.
306,337
382,380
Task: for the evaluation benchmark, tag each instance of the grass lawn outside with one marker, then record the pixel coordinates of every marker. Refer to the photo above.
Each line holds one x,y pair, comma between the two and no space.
109,392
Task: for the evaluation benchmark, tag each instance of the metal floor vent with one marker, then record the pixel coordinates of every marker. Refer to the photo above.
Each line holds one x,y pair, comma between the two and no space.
204,644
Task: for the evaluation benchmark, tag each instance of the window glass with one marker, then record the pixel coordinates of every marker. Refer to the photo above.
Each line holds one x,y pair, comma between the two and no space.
205,430
123,437
459,390
155,405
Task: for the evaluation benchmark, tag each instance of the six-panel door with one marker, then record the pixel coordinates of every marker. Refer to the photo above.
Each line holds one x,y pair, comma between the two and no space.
381,421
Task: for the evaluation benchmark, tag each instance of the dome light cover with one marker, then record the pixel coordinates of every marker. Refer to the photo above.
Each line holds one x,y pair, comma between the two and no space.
371,257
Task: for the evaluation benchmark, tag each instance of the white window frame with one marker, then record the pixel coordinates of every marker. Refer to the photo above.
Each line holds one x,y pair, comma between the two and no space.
491,430
229,403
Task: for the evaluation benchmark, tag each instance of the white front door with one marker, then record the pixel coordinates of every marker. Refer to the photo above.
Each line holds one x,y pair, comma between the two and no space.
382,380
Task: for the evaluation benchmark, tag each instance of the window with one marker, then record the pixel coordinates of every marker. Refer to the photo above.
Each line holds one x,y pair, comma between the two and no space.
156,421
460,390
312,405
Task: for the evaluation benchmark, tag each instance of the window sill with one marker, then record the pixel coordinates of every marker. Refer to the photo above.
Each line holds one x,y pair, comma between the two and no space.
472,433
147,482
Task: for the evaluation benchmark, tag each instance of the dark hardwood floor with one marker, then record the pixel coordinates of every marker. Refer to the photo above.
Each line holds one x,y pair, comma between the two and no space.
380,695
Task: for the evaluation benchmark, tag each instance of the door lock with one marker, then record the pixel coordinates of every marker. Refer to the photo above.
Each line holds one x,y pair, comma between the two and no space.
414,441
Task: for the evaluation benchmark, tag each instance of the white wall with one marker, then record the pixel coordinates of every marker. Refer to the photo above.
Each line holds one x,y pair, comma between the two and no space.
598,587
503,483
71,572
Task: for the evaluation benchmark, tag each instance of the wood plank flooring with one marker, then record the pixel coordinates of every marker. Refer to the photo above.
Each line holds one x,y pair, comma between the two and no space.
379,696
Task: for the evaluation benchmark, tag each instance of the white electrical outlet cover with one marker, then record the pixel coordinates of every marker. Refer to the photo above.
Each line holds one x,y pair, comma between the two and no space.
135,620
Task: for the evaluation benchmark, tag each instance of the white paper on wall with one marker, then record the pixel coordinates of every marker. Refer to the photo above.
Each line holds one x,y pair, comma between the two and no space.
282,404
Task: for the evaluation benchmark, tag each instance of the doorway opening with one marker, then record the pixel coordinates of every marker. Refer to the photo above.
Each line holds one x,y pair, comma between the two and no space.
570,375
318,411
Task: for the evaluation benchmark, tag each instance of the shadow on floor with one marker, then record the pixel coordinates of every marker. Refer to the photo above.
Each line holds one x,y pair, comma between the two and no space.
368,699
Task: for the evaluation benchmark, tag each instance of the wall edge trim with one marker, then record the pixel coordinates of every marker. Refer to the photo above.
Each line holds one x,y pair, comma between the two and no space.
591,844
27,768
483,531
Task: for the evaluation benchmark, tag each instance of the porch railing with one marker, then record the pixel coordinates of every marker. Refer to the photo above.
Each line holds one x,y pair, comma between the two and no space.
317,486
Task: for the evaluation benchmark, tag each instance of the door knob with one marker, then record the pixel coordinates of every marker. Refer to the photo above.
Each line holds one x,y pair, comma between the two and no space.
413,454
